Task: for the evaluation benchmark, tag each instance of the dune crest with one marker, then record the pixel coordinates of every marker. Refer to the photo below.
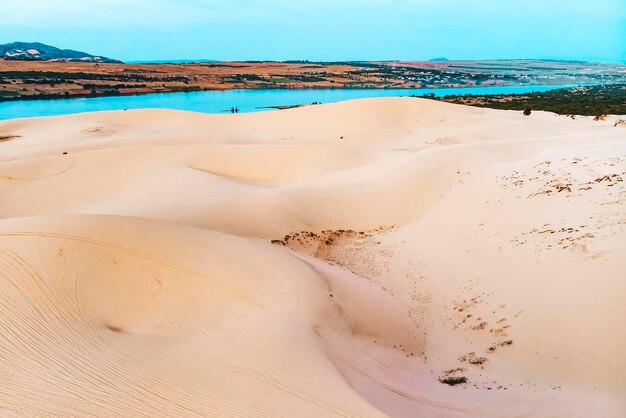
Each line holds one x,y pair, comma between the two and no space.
384,257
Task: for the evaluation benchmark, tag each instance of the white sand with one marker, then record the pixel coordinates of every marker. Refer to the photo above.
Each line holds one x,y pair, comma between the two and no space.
426,241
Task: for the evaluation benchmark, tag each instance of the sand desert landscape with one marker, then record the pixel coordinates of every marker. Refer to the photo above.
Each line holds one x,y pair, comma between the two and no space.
396,257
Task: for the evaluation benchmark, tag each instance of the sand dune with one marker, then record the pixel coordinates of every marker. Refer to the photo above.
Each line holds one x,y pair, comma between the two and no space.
386,257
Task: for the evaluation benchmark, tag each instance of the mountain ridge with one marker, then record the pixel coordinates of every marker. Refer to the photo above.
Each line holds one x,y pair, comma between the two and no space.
37,51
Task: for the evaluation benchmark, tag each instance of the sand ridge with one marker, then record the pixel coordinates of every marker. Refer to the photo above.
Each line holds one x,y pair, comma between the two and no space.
383,257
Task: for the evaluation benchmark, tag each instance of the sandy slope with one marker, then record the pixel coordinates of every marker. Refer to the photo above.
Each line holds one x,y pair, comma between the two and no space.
351,259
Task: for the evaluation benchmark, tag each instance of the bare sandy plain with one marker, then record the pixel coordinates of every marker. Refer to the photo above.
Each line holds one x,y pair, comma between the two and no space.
386,257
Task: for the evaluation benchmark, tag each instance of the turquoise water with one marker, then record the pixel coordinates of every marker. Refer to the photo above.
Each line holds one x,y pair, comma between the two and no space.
223,101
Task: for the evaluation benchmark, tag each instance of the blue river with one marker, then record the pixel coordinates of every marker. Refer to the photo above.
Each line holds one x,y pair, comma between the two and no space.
223,101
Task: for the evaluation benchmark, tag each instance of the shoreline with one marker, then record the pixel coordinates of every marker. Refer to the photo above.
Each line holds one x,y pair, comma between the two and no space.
568,100
107,94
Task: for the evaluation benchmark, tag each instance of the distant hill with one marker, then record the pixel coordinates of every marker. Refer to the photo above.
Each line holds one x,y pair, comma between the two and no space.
188,61
439,59
35,51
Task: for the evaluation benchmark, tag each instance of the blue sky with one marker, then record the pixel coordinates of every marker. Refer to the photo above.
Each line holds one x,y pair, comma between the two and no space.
327,30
